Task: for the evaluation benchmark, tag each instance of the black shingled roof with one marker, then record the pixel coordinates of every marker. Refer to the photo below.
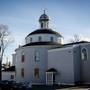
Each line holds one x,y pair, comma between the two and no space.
44,17
44,31
12,68
71,44
51,70
54,43
74,43
41,43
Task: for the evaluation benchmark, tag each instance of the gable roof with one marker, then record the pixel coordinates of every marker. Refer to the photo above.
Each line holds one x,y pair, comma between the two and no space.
70,44
74,43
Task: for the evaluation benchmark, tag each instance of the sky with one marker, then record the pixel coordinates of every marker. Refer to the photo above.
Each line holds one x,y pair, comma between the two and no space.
68,17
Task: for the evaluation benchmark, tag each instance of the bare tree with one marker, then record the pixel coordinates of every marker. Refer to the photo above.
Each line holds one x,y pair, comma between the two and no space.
76,38
5,39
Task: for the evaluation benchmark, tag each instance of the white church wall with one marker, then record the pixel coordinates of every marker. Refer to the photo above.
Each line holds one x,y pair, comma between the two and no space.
77,63
62,60
13,59
29,64
85,70
45,38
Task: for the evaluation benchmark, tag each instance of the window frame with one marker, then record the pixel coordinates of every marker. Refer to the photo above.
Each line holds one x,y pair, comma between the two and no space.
83,56
12,77
22,57
51,39
31,39
37,73
39,38
22,72
37,56
41,25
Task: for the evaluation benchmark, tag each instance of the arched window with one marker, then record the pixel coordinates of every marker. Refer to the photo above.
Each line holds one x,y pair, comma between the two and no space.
84,54
22,72
37,56
36,73
22,57
40,38
51,39
41,25
12,76
30,39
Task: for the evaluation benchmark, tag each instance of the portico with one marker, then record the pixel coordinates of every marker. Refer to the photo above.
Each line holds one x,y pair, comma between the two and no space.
50,76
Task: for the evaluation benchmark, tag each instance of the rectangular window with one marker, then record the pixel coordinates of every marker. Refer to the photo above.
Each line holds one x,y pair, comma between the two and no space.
84,54
23,58
22,72
30,39
51,39
40,38
37,56
12,76
41,25
36,73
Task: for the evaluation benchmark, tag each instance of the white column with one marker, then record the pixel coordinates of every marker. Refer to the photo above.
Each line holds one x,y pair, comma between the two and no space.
46,78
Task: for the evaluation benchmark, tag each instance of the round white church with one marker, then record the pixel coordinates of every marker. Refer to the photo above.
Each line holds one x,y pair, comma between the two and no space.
45,60
32,58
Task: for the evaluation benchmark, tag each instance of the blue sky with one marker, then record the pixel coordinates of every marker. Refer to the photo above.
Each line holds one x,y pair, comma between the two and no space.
67,17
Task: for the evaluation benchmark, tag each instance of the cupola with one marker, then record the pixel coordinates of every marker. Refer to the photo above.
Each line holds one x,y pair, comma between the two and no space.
44,20
44,33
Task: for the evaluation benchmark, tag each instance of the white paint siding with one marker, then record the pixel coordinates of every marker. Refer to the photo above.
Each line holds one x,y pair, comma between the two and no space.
45,38
29,64
85,70
62,61
7,75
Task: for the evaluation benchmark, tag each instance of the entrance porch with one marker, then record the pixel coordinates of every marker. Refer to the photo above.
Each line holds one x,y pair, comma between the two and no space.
50,76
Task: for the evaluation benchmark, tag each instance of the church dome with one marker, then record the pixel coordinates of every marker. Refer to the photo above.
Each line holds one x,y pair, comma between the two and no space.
45,31
44,17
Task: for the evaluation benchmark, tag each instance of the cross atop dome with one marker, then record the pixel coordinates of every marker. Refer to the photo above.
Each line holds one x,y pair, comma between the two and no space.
44,17
44,11
44,20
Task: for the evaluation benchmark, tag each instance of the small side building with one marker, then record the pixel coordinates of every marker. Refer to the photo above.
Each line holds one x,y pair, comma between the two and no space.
9,73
